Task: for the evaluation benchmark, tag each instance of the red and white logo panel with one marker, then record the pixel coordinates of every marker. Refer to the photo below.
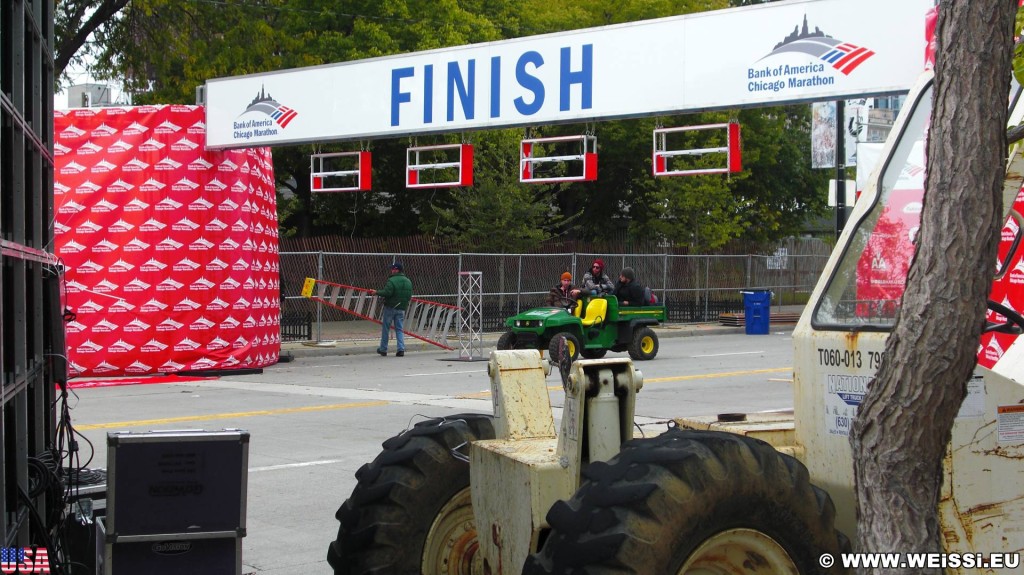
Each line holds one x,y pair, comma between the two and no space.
1006,289
166,244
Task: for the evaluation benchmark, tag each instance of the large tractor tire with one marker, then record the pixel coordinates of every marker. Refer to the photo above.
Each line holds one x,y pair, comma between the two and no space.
692,502
411,511
572,345
644,344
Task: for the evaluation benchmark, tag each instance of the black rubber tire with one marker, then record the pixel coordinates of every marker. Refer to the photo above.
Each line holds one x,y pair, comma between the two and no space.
385,522
593,353
507,341
644,345
652,505
570,339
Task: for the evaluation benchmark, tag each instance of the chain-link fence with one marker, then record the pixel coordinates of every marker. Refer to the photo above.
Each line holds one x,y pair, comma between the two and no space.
695,288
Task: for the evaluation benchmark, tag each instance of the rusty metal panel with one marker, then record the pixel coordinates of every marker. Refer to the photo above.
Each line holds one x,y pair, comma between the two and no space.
522,408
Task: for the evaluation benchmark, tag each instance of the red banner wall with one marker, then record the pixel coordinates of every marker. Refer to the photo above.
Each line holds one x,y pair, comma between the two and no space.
170,250
1006,289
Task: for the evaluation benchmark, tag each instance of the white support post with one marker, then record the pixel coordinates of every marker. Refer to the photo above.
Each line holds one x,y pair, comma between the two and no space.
471,316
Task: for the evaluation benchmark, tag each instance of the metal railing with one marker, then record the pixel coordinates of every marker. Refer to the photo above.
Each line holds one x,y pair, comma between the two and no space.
695,288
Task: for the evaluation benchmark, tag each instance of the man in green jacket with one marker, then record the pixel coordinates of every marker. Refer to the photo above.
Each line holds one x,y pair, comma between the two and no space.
396,294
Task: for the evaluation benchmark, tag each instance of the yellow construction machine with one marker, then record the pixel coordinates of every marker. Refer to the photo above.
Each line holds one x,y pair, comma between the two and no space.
503,493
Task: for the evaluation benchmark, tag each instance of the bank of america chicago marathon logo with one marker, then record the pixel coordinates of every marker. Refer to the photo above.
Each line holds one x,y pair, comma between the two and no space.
824,50
264,104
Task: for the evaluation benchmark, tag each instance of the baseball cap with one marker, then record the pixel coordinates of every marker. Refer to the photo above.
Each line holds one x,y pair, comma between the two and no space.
397,266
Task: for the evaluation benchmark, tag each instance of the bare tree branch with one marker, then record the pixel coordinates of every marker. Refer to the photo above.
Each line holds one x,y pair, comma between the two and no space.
68,46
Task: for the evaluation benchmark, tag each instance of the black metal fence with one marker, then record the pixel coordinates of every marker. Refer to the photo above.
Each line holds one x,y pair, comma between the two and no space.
701,309
296,326
695,288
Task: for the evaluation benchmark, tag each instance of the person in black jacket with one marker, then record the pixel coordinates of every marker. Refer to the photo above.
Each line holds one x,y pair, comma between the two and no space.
627,290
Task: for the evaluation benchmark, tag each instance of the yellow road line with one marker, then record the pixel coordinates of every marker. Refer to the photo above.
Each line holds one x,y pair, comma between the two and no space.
282,411
672,379
148,422
707,376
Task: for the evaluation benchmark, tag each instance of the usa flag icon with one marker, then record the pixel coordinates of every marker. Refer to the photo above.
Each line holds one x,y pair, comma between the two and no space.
25,561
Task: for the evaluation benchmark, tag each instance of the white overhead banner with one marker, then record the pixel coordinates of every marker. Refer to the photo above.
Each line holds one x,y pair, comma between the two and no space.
768,54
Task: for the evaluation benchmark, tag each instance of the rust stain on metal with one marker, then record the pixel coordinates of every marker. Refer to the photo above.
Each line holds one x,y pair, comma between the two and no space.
992,509
496,538
851,338
978,520
1000,451
979,436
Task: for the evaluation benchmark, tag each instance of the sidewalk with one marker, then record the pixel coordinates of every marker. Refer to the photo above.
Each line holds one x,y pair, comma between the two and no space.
362,337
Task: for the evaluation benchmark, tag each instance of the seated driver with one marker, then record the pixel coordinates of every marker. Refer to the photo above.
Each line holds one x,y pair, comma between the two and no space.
563,294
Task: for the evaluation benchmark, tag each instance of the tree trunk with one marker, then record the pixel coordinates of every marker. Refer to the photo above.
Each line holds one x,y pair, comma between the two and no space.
902,428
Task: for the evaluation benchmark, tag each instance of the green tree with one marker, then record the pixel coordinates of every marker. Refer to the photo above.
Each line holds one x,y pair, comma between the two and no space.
771,198
694,211
498,214
75,22
780,190
162,49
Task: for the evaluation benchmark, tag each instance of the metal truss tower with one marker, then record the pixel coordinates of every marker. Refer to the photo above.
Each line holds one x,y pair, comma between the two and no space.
471,316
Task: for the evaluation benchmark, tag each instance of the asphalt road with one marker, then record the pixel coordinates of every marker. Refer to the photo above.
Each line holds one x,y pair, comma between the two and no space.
315,421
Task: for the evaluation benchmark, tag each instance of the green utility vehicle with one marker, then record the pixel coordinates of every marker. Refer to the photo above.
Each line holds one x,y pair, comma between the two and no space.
590,327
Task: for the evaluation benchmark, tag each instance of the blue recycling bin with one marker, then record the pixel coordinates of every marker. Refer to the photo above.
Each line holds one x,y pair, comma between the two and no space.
757,306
